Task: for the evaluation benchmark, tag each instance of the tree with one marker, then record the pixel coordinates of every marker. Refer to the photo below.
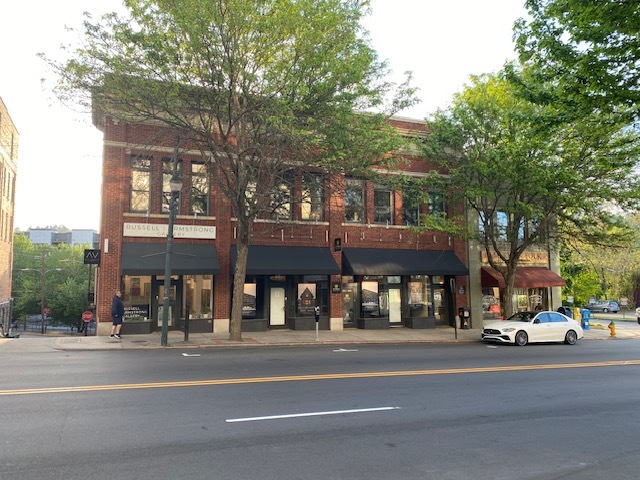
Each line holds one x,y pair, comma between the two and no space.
260,87
530,177
589,50
64,275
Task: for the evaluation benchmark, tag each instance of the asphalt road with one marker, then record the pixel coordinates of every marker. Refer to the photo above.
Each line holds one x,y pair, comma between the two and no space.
452,411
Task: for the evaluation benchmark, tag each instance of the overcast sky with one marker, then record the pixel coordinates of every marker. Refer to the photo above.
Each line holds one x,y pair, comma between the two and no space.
59,158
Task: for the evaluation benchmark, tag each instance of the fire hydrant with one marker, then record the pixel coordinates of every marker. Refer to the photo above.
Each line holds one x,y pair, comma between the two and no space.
612,329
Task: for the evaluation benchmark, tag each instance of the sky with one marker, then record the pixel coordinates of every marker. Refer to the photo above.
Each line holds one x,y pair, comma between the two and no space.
59,159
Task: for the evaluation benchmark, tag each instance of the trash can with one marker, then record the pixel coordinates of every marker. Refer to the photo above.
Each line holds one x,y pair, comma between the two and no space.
585,313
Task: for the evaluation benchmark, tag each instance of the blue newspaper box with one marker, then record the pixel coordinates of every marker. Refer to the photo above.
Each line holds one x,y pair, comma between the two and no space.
585,313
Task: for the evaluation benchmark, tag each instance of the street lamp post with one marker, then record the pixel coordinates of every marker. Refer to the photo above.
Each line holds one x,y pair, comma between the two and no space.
175,184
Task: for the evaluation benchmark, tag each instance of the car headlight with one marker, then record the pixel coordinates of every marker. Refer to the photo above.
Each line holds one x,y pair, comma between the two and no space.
510,329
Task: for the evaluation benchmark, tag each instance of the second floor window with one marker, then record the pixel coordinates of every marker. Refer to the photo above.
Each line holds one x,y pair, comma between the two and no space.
312,197
383,203
281,197
410,211
140,183
354,200
167,173
436,205
199,189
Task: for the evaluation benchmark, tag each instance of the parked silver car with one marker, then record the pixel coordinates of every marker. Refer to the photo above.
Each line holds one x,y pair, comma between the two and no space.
604,306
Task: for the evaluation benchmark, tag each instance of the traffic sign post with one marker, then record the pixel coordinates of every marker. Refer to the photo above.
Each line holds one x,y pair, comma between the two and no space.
87,316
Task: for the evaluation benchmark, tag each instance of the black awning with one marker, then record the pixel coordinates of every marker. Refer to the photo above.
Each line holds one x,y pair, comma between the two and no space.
380,261
187,259
266,260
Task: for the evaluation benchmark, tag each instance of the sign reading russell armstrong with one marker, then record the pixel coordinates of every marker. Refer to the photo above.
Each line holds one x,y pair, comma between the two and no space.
156,230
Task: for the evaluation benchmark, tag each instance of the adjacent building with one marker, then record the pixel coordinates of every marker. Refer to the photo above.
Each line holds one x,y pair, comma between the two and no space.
8,170
49,236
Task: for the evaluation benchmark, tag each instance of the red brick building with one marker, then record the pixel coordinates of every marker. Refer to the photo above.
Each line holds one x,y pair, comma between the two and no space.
348,248
8,170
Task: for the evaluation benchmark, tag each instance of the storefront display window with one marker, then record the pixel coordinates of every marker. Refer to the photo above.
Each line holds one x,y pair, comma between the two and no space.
349,300
136,296
311,290
249,301
369,299
419,296
198,295
306,298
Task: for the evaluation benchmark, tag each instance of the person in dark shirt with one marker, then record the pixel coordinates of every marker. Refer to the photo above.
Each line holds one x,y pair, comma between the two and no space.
117,314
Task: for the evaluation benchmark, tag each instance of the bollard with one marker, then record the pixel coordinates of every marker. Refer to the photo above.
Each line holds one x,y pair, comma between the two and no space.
612,329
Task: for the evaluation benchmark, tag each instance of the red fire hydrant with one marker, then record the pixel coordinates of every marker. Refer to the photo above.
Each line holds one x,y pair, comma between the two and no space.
612,329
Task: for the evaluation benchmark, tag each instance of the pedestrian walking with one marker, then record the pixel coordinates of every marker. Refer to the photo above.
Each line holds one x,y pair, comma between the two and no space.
117,314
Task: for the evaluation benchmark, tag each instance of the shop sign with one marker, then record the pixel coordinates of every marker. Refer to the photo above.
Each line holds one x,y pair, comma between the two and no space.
529,258
156,230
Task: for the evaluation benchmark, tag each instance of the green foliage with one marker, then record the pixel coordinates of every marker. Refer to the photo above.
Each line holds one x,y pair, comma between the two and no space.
590,50
531,177
253,84
65,280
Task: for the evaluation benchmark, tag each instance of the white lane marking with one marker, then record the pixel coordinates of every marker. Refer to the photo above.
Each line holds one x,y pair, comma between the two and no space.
310,414
346,350
492,346
190,354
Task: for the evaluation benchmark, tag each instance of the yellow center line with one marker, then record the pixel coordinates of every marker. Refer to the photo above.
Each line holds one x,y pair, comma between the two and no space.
326,376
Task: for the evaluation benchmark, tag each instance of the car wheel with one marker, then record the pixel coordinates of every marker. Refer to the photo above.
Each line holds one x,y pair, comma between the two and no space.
521,338
638,319
571,338
605,310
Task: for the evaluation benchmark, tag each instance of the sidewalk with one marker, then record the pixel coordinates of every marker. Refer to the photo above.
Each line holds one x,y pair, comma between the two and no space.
398,335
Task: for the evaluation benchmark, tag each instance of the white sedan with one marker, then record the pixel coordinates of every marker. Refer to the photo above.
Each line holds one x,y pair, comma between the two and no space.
530,327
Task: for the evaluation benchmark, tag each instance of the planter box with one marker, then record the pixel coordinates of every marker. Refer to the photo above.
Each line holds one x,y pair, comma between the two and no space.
420,322
133,328
307,323
254,325
380,323
198,325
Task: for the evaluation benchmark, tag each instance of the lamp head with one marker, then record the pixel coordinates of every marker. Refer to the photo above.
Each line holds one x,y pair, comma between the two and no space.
175,184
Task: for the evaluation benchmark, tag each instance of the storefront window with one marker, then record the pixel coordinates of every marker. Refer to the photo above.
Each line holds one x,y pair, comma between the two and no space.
349,300
249,301
136,296
311,290
419,296
198,295
370,297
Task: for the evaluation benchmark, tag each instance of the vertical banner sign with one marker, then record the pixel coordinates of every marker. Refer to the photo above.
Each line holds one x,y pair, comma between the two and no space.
91,256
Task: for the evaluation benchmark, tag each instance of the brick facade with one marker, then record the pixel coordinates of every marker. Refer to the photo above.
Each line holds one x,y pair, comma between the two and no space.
122,140
8,170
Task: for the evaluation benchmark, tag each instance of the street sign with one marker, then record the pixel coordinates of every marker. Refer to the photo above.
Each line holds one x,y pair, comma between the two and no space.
87,316
91,256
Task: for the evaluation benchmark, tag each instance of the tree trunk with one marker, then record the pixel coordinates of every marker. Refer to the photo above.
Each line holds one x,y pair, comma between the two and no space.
239,274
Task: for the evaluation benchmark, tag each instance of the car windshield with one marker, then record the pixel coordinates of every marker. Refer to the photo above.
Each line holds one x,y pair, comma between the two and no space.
522,317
